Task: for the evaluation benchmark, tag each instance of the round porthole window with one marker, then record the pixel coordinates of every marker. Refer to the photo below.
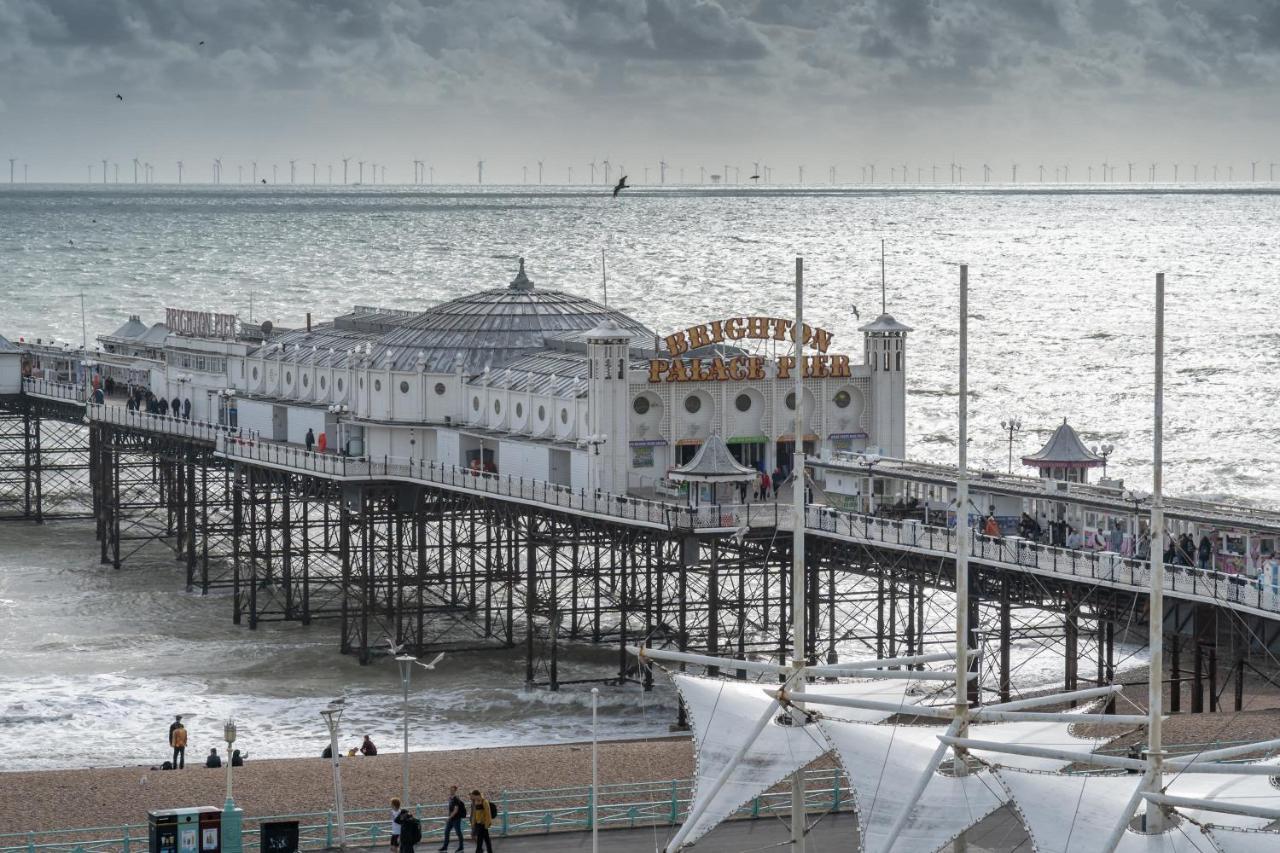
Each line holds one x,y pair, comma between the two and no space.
404,387
377,384
322,383
791,401
692,404
743,402
542,413
497,407
361,383
475,404
641,405
440,389
842,399
564,416
288,378
339,383
519,410
306,380
255,374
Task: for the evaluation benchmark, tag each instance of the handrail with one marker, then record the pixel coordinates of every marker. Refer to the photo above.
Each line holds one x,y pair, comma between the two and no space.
167,424
1102,566
596,502
528,812
76,392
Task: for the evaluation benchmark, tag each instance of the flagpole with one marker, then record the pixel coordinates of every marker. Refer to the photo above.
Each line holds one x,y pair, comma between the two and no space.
960,722
1155,685
798,597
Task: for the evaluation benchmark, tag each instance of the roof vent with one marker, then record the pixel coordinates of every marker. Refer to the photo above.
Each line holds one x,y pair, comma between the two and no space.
521,281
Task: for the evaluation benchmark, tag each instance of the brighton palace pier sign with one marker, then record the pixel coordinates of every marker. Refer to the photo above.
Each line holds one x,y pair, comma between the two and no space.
679,368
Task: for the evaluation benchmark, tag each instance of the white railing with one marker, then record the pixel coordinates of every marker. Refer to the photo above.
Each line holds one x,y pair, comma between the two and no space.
167,424
596,502
75,392
1105,567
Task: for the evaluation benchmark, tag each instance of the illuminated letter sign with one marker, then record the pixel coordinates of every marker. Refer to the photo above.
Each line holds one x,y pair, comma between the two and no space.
680,368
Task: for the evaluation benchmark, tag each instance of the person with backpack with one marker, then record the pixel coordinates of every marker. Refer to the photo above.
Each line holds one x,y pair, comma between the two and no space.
178,740
410,830
483,813
456,811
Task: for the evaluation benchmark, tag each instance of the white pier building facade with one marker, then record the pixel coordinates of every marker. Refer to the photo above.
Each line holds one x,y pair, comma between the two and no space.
540,383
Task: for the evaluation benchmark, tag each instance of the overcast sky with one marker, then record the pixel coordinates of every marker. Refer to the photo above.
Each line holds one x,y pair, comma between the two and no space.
783,82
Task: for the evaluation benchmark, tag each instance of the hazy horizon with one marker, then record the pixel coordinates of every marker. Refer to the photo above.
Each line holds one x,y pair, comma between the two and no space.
694,82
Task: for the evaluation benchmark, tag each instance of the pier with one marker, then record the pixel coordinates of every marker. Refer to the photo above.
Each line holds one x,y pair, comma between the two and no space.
443,557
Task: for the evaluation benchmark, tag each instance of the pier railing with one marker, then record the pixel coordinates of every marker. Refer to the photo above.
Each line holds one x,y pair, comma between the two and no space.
167,424
1105,567
74,392
520,813
527,489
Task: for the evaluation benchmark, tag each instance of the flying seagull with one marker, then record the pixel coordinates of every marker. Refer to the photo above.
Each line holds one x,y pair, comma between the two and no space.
433,663
754,178
621,185
856,315
201,44
119,97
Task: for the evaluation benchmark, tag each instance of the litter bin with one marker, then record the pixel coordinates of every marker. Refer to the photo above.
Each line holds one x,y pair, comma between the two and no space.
279,837
190,830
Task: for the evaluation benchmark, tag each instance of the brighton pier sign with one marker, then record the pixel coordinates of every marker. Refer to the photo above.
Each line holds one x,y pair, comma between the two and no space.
724,368
200,324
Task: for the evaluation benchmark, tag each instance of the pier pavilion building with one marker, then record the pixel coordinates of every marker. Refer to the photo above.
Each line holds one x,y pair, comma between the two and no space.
540,383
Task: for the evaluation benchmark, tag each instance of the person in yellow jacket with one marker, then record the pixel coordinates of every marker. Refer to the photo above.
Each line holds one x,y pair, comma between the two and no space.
178,740
481,820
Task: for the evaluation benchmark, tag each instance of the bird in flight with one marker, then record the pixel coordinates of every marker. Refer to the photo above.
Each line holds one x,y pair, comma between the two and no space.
119,97
264,180
755,177
856,315
201,44
621,185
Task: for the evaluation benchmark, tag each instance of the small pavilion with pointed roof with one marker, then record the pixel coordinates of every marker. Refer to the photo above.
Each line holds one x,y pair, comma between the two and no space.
1064,457
713,474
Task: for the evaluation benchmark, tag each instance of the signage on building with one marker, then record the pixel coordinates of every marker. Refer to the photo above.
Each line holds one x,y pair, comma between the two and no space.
737,368
200,324
739,328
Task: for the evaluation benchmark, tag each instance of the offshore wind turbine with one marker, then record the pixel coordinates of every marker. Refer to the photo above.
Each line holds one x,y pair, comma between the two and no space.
13,160
525,171
592,164
254,177
1175,173
240,172
313,174
217,170
540,172
479,171
1015,173
373,179
1253,171
275,173
345,161
360,174
1042,173
1195,172
1231,172
986,173
662,170
293,171
330,174
104,172
179,171
571,175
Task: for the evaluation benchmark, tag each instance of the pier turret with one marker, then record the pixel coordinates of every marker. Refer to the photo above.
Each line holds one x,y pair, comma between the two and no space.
608,375
885,347
1064,457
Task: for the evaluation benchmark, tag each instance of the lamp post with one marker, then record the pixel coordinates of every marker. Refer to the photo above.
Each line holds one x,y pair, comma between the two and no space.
1105,452
232,841
1011,426
868,461
406,670
1136,498
332,715
593,441
595,772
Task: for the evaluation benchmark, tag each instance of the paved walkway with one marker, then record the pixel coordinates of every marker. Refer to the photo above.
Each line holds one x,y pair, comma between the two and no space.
1000,833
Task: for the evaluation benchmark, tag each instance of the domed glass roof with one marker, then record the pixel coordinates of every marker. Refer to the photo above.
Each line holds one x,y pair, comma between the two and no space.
492,327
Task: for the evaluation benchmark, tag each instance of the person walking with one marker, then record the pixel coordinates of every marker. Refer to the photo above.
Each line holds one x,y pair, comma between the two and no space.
310,440
322,443
455,811
766,485
395,823
1205,553
178,740
410,830
481,820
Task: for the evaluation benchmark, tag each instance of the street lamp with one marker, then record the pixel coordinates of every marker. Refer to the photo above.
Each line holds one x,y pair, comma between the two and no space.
1136,498
232,841
1011,426
869,461
406,670
595,772
593,441
1105,452
332,715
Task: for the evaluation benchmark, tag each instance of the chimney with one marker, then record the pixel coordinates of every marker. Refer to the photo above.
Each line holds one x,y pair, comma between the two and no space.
308,321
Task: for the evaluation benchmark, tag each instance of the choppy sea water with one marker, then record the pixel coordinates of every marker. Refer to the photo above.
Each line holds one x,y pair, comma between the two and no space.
1061,300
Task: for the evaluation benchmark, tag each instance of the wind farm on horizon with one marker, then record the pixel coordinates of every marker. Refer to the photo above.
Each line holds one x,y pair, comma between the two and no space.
948,174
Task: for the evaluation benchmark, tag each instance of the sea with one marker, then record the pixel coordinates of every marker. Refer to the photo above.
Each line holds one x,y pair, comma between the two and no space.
94,662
